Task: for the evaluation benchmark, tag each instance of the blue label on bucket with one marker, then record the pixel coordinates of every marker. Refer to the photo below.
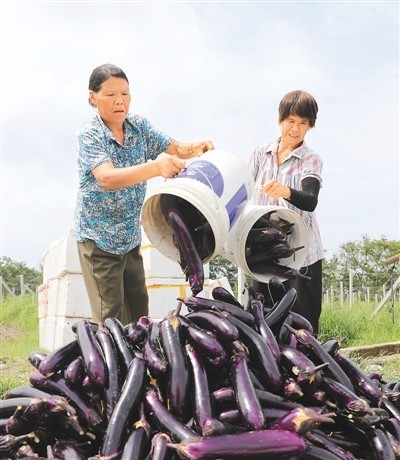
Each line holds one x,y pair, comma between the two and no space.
236,204
206,173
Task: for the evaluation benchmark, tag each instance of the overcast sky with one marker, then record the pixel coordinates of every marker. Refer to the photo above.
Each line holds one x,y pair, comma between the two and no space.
201,70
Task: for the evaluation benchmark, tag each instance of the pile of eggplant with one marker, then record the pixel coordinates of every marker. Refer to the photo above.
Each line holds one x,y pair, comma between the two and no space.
224,381
267,243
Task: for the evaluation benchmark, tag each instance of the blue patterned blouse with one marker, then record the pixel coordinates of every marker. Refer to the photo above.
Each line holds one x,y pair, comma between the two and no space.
111,218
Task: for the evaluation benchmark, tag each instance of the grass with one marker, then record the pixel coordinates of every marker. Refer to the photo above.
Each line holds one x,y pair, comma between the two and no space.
20,336
357,326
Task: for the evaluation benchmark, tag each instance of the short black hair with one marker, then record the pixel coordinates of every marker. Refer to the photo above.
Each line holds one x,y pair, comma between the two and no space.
298,103
102,73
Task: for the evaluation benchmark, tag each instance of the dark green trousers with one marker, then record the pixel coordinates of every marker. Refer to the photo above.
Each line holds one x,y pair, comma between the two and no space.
115,284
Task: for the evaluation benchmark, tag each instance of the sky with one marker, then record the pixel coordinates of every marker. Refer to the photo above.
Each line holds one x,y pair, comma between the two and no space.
201,70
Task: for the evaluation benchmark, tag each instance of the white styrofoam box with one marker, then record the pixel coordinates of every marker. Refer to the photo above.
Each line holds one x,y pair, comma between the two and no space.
43,300
156,265
63,331
47,330
223,282
163,294
67,296
61,257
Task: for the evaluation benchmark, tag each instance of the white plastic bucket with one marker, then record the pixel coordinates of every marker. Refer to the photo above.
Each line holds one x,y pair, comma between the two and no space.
234,247
218,184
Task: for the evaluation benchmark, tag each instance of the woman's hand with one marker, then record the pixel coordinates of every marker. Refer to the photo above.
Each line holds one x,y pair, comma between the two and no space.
169,165
185,150
275,189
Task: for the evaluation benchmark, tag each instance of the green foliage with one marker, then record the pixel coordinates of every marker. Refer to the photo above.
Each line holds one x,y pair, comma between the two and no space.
366,258
11,271
220,267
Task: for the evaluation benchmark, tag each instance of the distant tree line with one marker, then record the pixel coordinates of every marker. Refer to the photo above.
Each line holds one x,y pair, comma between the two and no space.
10,271
365,258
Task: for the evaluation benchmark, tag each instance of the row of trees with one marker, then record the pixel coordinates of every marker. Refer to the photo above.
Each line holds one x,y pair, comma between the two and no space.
366,258
11,271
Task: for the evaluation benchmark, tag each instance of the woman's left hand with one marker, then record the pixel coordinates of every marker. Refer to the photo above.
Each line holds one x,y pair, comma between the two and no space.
200,147
275,189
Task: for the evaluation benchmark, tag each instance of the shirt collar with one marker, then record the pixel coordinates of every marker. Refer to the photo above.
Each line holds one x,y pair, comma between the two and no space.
128,132
273,148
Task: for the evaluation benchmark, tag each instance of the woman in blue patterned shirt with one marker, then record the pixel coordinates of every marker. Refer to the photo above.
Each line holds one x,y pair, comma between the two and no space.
117,153
288,173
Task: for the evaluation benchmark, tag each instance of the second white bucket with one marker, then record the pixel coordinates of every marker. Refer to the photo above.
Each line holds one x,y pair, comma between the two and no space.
234,247
219,184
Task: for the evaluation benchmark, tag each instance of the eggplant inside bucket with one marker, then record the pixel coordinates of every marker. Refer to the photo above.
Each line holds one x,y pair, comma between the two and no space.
268,241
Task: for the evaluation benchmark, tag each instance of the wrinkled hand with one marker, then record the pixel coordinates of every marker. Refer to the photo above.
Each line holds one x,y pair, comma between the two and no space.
275,189
170,165
200,147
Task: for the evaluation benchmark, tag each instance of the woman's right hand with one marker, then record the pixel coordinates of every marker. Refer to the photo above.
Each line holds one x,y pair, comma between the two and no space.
169,165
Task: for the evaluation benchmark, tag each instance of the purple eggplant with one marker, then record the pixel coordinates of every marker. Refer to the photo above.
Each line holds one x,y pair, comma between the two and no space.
319,438
9,443
257,310
117,331
136,332
64,450
137,445
220,293
279,312
299,322
301,420
59,358
215,321
200,339
201,303
155,361
246,399
214,427
332,346
178,377
201,397
36,357
273,268
112,386
305,372
361,382
192,265
380,444
124,410
261,355
276,289
58,385
8,406
92,355
321,356
344,398
159,447
164,419
75,371
250,444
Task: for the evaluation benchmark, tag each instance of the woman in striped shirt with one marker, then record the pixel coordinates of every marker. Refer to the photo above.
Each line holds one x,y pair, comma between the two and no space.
288,173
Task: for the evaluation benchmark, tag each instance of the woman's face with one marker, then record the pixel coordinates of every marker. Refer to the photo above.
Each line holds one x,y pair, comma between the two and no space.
294,130
112,101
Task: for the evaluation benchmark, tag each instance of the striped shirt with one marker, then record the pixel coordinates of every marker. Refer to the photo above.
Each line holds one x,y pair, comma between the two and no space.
301,163
111,218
